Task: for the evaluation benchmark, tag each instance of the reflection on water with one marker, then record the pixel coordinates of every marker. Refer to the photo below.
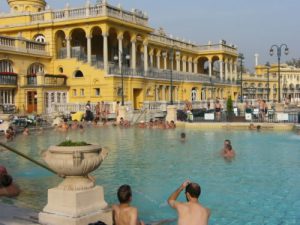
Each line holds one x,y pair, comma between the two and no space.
261,183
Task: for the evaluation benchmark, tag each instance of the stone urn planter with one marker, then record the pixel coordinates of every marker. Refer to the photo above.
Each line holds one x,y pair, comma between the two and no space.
74,163
77,200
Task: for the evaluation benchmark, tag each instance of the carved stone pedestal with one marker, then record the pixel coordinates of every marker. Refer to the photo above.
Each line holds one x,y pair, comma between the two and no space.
75,207
171,113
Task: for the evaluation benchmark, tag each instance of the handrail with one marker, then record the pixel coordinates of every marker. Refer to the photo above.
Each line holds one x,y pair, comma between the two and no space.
27,157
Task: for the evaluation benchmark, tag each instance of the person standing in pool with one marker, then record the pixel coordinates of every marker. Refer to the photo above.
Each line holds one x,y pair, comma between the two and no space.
124,213
191,212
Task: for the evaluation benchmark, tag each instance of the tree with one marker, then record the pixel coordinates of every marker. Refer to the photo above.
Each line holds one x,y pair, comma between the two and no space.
294,62
229,108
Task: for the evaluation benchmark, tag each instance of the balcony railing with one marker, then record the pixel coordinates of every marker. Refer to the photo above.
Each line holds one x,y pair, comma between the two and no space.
47,80
89,11
55,80
22,45
8,79
166,75
186,45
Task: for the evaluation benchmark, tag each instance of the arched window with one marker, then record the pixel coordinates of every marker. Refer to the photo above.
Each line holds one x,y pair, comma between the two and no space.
6,66
194,94
40,38
78,74
35,68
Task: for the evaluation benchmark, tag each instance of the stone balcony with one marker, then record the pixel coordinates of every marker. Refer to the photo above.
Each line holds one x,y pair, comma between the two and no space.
21,45
8,79
190,46
166,75
46,80
89,11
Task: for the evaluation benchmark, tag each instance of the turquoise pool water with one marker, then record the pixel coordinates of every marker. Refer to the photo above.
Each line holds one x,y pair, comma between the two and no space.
261,186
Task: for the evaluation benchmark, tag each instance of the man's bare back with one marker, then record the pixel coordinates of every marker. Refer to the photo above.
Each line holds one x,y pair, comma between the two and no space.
125,215
192,214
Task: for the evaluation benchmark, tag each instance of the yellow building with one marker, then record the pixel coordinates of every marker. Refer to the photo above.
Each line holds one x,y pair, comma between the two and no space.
255,86
51,57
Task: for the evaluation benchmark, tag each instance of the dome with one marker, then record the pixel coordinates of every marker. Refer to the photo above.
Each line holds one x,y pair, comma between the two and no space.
27,5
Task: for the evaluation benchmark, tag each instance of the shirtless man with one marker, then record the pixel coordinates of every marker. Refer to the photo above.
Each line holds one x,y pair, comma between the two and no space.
7,187
192,212
229,152
124,214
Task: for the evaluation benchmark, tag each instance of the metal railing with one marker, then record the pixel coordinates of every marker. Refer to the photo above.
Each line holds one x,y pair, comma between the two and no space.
10,79
166,75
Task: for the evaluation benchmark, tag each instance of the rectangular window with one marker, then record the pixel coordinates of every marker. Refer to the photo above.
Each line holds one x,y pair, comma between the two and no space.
97,91
74,92
81,92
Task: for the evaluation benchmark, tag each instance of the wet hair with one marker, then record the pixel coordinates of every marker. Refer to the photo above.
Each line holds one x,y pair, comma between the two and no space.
182,135
193,189
124,194
80,126
118,102
258,127
228,142
5,180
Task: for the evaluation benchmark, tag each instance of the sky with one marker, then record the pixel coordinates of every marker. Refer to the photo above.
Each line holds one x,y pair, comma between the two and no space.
253,25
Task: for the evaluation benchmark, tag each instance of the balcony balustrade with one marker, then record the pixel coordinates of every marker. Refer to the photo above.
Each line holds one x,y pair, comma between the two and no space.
22,45
8,78
166,75
46,80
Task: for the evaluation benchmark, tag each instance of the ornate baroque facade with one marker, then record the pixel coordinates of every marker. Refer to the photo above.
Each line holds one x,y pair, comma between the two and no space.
262,83
74,55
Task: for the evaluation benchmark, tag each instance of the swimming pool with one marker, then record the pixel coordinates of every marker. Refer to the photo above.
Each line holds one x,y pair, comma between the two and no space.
262,186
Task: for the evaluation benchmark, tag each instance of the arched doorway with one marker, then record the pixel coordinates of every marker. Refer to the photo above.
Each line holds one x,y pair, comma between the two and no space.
60,44
97,47
79,44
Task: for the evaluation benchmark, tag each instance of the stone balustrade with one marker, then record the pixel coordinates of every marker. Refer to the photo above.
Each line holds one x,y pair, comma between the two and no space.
22,45
163,39
166,75
88,12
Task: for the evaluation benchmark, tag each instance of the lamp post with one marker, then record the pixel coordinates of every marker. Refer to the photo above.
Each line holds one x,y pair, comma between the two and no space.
241,58
286,52
123,58
268,77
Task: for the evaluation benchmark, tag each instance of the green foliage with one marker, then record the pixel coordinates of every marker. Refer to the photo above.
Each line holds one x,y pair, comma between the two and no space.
70,143
229,106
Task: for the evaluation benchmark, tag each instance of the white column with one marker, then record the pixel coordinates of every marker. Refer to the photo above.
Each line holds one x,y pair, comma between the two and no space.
210,68
221,70
235,71
68,47
231,71
89,49
195,67
10,97
163,91
165,62
133,54
190,67
158,61
145,57
120,44
105,51
156,93
226,70
183,66
178,64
